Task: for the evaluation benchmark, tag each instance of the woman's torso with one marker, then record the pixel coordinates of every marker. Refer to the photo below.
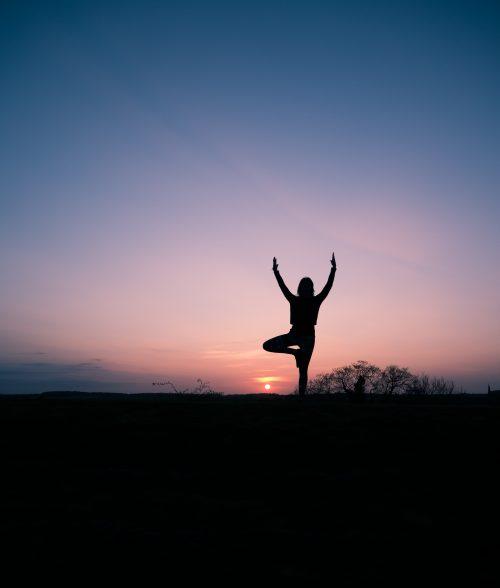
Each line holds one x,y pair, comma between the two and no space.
304,314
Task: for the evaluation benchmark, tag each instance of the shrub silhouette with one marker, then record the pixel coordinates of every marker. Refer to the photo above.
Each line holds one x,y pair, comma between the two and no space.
202,388
363,377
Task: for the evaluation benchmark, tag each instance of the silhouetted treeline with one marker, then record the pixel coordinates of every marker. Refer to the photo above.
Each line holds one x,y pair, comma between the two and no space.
362,377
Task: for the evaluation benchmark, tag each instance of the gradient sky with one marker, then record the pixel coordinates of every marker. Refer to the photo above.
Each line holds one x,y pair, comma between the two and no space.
154,156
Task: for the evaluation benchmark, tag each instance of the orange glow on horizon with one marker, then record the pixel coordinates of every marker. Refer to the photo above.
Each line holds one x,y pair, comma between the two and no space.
269,379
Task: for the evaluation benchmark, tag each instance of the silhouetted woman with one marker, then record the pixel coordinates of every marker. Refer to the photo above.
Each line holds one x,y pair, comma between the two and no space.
304,310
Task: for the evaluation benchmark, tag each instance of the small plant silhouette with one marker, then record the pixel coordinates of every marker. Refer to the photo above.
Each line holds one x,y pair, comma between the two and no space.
202,388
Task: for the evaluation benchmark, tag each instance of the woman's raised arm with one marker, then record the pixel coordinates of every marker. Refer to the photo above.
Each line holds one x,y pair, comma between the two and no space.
328,286
286,292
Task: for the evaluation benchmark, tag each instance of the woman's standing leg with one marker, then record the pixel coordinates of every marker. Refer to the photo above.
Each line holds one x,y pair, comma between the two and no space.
303,378
306,349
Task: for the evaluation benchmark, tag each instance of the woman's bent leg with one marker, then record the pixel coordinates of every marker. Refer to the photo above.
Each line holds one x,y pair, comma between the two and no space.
279,344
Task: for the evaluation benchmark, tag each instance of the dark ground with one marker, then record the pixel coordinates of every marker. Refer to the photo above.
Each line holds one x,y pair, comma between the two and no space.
256,487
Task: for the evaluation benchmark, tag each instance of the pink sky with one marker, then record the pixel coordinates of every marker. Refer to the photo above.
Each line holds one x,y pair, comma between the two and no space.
198,299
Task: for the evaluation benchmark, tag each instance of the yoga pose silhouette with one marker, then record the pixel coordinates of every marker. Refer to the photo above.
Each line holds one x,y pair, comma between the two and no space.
304,310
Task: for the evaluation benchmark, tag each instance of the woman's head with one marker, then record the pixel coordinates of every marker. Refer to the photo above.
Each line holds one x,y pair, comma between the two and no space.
306,287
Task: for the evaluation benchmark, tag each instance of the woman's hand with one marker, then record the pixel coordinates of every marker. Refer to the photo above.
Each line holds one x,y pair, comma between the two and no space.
275,265
332,261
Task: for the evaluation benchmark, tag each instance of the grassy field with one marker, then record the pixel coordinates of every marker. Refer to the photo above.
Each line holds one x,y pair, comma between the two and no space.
315,490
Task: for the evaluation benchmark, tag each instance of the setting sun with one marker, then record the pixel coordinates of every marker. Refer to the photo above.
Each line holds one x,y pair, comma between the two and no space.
267,387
